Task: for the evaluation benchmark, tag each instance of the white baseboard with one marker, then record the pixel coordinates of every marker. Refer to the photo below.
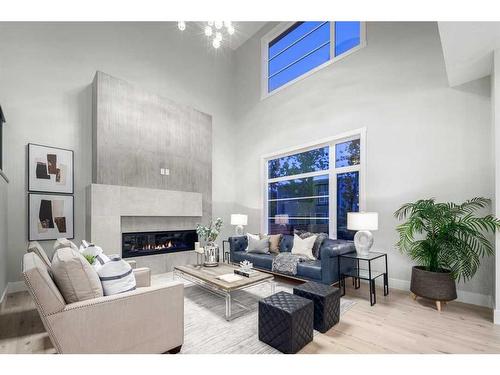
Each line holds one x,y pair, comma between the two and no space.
462,296
496,316
12,287
4,293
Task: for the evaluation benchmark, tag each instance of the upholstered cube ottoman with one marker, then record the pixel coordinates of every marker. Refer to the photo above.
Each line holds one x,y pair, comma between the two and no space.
286,322
326,303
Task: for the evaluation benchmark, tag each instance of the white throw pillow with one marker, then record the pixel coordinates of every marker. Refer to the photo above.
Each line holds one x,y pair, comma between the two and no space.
116,277
251,236
303,246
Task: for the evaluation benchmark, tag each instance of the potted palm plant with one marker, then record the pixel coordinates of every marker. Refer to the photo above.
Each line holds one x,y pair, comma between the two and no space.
447,241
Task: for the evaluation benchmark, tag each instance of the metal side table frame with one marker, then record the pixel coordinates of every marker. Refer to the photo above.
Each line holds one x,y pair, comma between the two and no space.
369,274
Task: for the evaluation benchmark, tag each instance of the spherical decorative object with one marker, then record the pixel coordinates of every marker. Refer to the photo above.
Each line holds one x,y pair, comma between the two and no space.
181,25
228,24
230,30
208,31
218,36
210,23
218,24
216,43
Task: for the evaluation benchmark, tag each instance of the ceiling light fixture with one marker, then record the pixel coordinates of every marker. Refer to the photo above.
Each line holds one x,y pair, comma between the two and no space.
217,29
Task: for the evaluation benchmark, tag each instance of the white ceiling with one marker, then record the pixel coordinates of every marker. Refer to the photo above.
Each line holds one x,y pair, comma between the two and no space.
468,49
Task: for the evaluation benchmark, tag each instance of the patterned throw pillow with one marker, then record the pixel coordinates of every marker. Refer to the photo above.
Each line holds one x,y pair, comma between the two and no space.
320,237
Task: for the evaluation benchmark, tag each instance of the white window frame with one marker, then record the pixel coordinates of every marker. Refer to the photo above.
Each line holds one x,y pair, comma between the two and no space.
332,172
275,32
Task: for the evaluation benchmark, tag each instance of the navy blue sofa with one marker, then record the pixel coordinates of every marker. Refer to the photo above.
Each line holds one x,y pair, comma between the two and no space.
323,270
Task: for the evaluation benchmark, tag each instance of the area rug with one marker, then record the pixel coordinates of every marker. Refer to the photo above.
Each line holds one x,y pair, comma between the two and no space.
207,332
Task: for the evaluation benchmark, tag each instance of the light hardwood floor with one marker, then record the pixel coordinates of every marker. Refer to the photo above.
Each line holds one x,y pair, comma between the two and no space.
396,324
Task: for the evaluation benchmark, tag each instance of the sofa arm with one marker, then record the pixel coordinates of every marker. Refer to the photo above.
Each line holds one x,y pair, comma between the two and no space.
142,277
237,243
333,248
146,320
330,250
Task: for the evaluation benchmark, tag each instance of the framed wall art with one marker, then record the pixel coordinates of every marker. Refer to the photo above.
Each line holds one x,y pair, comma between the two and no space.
50,169
50,216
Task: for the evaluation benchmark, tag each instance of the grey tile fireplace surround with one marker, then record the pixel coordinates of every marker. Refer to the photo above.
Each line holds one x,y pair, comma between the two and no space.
136,134
115,209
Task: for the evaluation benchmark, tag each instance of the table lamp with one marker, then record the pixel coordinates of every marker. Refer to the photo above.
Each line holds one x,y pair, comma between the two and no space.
239,220
363,223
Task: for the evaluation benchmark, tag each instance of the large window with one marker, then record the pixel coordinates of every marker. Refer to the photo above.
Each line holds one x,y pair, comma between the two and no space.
294,49
314,188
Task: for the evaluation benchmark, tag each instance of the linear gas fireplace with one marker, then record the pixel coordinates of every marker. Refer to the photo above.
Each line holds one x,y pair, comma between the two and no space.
152,243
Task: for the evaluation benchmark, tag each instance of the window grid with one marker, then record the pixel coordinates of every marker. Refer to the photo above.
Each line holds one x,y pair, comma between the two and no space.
333,173
336,52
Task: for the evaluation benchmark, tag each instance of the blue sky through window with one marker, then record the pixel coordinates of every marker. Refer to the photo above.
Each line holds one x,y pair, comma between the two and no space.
347,36
298,50
307,45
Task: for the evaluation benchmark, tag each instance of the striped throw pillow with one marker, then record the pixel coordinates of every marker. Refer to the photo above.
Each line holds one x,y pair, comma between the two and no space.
116,277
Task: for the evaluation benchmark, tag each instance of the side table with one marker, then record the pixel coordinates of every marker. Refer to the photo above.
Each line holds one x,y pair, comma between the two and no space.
358,273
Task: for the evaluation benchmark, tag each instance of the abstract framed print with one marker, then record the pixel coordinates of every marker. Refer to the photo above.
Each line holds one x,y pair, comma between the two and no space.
50,216
50,169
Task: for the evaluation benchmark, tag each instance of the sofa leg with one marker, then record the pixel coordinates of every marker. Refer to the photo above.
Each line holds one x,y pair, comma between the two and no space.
175,350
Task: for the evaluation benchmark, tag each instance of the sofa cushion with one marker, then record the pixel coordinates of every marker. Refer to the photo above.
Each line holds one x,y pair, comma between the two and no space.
310,269
116,277
36,248
64,242
303,246
74,276
286,243
320,237
264,261
274,242
257,245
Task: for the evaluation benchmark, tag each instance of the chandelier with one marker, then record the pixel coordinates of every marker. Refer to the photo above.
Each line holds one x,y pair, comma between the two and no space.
218,31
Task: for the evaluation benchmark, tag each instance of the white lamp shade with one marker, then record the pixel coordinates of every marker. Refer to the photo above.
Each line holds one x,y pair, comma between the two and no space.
362,220
239,219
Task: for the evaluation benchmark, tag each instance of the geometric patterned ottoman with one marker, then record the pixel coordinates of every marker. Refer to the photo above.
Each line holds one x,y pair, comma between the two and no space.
326,303
286,322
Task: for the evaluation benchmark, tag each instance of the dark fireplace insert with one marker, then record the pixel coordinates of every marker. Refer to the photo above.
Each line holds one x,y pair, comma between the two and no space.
151,243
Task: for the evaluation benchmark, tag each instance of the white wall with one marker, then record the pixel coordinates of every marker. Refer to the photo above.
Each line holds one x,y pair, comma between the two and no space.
45,74
424,139
3,236
495,110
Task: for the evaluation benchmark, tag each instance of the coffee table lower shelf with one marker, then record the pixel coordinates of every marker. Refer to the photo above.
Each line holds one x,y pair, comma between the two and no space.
225,293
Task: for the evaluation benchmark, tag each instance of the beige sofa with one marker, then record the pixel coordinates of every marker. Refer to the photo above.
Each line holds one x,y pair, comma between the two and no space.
149,319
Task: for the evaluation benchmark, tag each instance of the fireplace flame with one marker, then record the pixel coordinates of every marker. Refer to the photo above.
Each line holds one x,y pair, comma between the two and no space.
166,245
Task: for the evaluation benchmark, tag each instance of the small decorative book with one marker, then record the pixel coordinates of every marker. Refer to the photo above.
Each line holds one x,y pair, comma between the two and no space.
246,273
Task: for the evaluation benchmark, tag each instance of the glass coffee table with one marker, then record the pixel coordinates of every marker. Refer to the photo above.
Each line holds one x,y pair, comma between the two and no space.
364,273
206,277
